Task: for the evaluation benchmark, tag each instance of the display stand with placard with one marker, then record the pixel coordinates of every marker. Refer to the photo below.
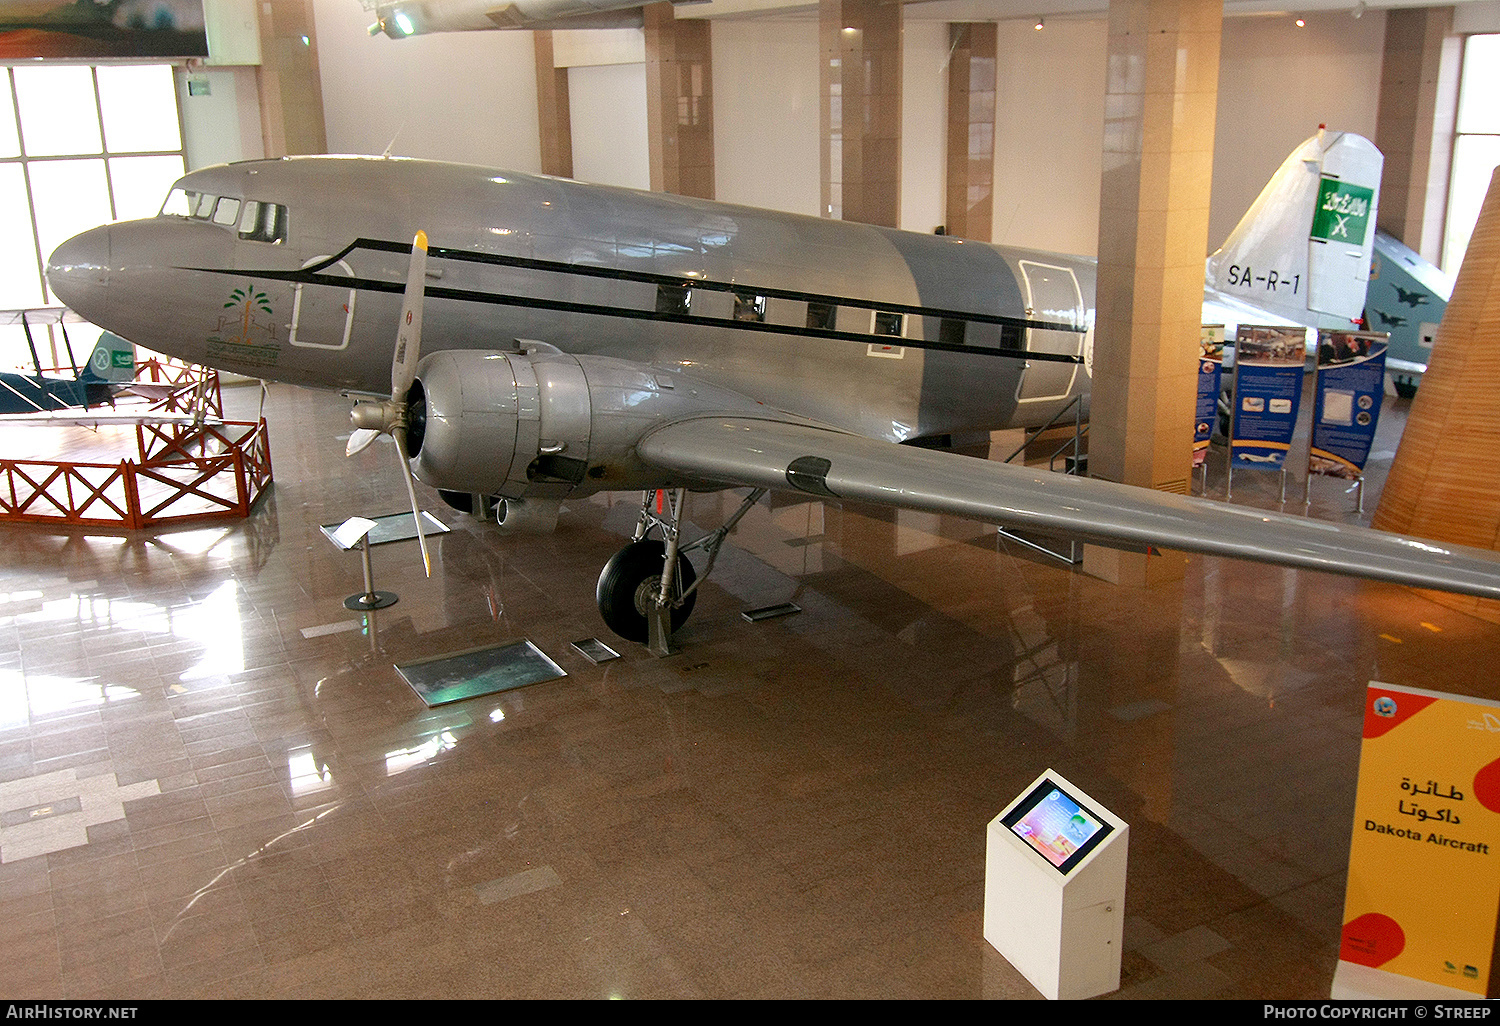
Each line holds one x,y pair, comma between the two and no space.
1054,889
1347,394
1210,378
1268,370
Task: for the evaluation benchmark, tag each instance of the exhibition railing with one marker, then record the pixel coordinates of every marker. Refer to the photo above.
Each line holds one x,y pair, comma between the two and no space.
202,469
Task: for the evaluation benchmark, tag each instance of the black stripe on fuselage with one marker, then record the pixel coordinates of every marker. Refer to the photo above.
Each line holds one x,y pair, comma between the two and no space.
311,275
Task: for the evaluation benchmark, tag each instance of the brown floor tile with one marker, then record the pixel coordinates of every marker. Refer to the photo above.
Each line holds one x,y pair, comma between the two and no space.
790,809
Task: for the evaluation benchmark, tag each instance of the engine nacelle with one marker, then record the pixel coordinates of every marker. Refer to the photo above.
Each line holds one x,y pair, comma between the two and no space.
545,425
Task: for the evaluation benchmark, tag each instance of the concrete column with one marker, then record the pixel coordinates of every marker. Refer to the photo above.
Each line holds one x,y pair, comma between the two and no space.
1443,482
860,87
1414,126
291,91
679,103
1160,101
971,130
553,117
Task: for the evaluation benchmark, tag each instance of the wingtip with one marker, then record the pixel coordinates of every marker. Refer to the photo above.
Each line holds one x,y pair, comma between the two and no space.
421,240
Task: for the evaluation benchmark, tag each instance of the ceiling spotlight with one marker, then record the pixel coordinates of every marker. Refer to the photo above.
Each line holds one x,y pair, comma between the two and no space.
1301,23
1038,26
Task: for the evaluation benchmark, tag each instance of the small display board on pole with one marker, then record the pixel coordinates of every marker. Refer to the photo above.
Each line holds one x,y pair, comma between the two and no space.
1054,889
1424,862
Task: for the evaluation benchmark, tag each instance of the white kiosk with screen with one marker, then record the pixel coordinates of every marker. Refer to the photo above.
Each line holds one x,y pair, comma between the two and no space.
1054,889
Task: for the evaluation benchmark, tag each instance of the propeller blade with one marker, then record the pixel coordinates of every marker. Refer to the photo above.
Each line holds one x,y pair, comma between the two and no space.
399,434
371,420
409,335
359,441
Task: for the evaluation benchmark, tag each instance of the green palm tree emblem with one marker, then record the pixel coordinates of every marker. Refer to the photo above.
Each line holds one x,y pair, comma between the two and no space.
251,299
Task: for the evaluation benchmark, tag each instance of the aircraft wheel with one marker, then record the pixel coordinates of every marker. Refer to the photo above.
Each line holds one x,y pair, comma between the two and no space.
1406,388
629,583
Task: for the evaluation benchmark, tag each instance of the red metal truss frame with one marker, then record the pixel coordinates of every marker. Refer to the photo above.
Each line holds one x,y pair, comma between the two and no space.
220,481
184,472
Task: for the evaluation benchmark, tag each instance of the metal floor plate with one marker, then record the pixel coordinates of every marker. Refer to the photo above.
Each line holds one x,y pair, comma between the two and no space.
483,671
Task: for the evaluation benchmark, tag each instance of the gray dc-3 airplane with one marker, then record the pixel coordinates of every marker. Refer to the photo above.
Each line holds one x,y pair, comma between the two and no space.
557,339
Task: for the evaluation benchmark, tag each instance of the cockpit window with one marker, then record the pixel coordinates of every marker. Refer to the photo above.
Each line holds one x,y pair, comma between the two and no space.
263,222
179,204
200,205
226,211
255,220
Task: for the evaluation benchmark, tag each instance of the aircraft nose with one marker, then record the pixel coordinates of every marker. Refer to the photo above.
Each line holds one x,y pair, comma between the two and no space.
78,272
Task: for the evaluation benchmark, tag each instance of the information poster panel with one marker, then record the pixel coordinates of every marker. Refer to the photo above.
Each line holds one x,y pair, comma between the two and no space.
1346,403
1424,861
1268,367
1210,379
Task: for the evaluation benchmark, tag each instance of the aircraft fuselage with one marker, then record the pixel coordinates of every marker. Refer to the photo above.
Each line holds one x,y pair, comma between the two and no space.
261,271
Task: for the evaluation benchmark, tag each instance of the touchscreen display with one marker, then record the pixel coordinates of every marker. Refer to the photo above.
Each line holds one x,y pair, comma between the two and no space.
1057,826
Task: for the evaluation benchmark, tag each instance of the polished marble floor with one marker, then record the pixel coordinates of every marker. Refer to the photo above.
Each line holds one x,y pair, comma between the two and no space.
214,784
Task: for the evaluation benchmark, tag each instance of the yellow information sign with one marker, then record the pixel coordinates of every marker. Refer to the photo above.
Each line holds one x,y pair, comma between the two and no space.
1424,862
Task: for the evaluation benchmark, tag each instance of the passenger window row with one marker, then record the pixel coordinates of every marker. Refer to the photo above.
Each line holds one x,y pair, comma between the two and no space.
749,306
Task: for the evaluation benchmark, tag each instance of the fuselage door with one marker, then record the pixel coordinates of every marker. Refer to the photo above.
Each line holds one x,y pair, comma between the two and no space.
1052,294
323,315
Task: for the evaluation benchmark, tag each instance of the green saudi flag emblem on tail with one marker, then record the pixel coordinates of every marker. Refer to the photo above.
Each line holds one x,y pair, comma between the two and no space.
1343,212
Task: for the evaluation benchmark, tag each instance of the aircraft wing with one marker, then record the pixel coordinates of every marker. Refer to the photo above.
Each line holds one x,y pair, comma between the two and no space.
41,315
154,391
93,418
765,453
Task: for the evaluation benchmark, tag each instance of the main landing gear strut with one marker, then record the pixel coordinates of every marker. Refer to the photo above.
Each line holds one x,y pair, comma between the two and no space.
648,588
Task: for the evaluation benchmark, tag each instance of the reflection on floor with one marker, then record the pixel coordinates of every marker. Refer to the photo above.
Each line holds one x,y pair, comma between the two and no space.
213,782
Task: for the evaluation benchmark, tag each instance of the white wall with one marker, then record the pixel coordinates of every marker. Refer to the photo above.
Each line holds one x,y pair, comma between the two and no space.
1049,134
225,124
766,114
607,105
924,125
472,96
766,132
464,96
1277,83
1481,16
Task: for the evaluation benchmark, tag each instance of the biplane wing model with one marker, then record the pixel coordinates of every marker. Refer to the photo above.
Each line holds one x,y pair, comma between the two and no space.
88,397
42,392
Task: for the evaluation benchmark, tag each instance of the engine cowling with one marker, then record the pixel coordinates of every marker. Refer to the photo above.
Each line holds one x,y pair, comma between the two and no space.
545,425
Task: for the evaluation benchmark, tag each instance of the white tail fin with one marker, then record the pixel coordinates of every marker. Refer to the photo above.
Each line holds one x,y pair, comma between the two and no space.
1303,248
113,359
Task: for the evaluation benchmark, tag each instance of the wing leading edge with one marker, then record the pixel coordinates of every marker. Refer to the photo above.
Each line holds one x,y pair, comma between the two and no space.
825,463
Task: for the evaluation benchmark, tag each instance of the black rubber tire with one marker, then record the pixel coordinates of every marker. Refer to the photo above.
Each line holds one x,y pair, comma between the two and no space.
621,588
1406,389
